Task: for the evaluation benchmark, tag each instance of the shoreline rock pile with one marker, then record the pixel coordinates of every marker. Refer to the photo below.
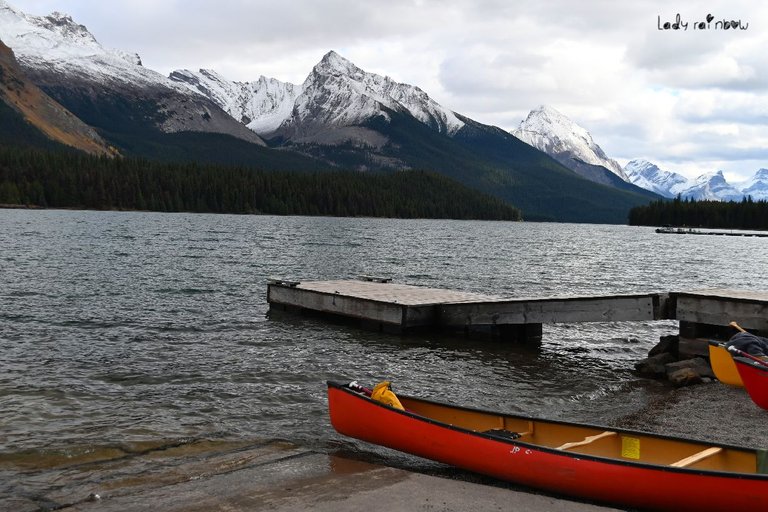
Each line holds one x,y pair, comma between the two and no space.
666,361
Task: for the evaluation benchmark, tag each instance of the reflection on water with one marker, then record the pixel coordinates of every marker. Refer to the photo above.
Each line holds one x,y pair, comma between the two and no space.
120,328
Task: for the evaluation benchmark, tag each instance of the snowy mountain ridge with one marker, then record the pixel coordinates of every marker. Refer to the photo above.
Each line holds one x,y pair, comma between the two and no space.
262,105
647,175
336,93
711,186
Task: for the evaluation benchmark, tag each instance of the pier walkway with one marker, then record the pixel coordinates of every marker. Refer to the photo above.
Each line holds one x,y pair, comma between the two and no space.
382,305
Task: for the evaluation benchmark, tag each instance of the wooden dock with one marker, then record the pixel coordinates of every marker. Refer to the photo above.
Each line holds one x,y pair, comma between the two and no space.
382,305
695,231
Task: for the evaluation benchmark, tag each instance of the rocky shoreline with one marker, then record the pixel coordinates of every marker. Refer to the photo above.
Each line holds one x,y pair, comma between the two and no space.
682,364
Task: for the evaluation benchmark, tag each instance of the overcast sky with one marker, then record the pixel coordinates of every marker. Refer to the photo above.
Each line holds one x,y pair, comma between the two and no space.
691,100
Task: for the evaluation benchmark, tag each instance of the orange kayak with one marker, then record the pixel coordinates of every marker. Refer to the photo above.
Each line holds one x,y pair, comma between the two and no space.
723,365
615,466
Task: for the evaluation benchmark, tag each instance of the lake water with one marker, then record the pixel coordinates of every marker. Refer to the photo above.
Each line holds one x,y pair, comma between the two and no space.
133,327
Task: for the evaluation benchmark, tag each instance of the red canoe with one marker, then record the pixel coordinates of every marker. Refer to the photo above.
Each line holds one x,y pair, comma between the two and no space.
620,467
755,378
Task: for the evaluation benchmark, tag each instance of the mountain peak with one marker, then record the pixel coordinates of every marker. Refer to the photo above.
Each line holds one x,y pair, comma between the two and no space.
8,7
547,110
63,17
68,27
547,119
709,177
37,39
549,130
649,176
333,63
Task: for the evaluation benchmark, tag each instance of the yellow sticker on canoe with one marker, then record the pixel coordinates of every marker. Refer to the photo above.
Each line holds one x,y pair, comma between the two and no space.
630,447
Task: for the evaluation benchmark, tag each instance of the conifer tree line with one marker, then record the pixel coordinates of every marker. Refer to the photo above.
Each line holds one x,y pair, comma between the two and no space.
746,214
69,179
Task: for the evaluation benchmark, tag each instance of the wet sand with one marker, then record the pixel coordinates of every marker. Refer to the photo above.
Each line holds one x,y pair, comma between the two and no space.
275,476
279,476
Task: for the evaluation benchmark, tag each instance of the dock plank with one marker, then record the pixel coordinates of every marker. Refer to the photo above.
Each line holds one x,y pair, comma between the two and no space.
395,293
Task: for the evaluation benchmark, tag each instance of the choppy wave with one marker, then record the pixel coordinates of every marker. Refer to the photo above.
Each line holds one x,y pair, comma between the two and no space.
155,345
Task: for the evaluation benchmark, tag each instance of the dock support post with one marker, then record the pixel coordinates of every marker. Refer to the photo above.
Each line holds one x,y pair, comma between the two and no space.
520,333
701,330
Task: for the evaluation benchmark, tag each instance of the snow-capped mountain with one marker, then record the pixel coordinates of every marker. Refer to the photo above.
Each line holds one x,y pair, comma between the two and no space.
572,145
647,175
65,59
338,93
756,187
328,107
712,187
57,43
262,105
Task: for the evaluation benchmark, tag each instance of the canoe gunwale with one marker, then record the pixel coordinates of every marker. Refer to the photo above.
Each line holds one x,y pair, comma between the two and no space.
753,364
563,453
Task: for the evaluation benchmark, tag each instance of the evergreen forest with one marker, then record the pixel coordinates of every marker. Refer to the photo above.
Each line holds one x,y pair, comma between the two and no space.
747,214
70,179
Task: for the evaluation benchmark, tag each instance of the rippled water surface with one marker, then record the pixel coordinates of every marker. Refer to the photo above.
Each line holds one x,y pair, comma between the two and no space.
140,327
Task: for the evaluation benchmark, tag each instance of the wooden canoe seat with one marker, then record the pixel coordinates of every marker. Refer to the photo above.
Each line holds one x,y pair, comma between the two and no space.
586,440
696,457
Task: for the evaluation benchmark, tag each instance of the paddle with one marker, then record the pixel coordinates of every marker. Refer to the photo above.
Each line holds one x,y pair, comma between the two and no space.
741,353
734,350
737,327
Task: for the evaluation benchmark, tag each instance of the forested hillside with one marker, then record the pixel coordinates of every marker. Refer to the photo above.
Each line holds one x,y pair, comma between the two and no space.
68,179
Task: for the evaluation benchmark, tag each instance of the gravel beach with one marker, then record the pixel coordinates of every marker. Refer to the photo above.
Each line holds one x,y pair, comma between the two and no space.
711,411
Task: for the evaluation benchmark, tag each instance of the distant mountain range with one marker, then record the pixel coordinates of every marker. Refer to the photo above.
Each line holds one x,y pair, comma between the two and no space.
572,145
711,186
340,117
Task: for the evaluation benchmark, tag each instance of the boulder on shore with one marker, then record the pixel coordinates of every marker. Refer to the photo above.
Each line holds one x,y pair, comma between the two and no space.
655,367
697,364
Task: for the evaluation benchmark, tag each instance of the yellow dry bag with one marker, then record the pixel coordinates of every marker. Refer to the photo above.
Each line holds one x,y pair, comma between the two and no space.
382,392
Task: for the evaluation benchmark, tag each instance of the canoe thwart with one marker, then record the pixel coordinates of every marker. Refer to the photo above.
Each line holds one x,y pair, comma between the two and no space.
696,457
586,440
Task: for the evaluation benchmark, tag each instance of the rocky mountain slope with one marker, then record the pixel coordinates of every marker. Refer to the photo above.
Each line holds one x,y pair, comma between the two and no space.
43,113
